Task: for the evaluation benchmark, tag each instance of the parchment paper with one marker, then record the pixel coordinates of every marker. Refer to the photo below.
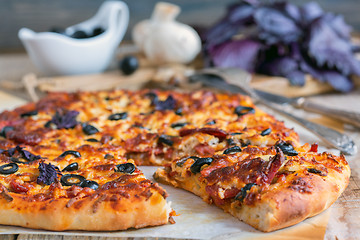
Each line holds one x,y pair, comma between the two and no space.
198,220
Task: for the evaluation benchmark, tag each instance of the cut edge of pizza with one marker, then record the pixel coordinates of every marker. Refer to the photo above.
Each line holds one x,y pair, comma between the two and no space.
268,188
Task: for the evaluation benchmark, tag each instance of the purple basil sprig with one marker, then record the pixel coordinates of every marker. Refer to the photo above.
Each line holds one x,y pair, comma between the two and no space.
65,119
168,104
48,173
24,154
282,39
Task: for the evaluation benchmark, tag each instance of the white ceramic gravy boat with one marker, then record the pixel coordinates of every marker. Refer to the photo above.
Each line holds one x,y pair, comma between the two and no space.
57,54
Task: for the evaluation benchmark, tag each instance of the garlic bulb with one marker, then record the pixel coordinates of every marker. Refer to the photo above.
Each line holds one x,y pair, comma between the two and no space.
164,40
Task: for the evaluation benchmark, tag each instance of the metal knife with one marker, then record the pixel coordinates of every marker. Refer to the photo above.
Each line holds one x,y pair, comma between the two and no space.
328,135
240,77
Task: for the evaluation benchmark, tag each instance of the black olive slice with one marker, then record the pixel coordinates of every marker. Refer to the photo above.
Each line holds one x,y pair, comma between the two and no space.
230,141
179,111
89,129
286,148
125,168
242,110
29,114
211,122
242,194
108,156
178,125
48,124
71,167
313,170
181,162
266,132
236,133
153,96
232,150
5,130
70,152
199,162
244,143
9,168
72,179
92,140
90,184
118,116
166,140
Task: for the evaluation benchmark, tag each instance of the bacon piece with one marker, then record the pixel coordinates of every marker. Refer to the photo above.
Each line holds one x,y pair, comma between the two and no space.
204,149
221,134
314,147
19,188
31,138
274,164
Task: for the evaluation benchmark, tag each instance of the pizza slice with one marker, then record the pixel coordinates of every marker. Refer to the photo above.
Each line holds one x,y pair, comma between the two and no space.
267,187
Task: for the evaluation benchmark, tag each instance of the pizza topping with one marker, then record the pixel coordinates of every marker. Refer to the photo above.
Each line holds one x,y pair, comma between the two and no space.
29,114
125,168
221,134
166,140
64,119
9,168
71,167
242,110
18,152
48,173
168,104
314,147
90,184
70,152
118,116
179,111
266,132
242,194
19,187
230,141
178,125
212,122
199,162
286,148
232,150
316,171
275,163
5,130
72,179
89,129
92,140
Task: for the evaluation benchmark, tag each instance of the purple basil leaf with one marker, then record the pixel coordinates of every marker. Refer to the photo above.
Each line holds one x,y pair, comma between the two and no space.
25,154
65,120
274,26
310,11
282,66
337,23
338,81
168,104
327,48
296,78
241,54
289,9
312,70
48,173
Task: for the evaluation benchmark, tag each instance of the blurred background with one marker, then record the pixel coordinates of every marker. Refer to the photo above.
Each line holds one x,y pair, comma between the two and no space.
41,15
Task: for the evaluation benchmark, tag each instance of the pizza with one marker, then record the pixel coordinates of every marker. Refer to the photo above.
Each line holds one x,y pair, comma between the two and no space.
70,161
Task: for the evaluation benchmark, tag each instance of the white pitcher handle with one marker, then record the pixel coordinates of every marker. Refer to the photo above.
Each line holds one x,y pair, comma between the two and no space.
119,18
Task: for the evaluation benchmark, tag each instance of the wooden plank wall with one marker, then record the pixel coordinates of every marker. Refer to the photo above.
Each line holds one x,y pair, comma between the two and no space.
40,15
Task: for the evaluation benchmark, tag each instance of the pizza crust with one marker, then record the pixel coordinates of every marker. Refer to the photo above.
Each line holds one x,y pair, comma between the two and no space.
90,213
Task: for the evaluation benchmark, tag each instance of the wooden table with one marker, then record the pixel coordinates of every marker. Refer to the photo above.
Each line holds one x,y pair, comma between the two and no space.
344,221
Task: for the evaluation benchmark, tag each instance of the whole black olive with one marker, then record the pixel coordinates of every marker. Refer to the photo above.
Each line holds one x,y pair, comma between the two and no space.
286,148
28,114
242,194
178,125
199,162
89,129
166,140
97,31
71,152
71,167
129,65
5,130
242,110
266,132
90,184
118,116
232,150
9,168
125,168
72,179
79,34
